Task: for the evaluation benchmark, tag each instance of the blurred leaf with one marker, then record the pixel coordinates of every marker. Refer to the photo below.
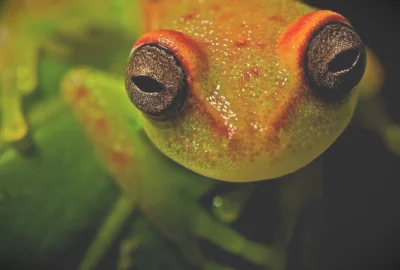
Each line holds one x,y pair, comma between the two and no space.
46,198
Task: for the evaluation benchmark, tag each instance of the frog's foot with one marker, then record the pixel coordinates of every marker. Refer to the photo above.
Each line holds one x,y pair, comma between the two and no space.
392,138
185,222
14,130
18,78
125,260
228,207
211,229
142,243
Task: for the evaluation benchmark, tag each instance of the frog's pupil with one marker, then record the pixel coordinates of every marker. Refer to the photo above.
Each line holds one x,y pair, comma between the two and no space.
147,84
344,61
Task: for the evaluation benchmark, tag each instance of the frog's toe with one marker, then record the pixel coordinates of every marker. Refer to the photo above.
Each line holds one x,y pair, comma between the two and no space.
218,233
228,207
392,138
14,127
18,78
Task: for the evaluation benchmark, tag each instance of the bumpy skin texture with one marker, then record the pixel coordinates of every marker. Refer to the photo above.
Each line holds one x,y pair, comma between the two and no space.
250,113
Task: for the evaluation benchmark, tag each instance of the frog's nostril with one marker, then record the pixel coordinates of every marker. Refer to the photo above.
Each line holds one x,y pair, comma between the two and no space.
344,61
147,84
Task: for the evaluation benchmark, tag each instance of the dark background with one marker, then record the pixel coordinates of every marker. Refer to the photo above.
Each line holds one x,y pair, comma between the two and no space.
362,178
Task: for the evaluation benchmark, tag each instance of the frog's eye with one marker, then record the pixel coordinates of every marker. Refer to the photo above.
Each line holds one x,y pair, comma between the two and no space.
335,61
155,81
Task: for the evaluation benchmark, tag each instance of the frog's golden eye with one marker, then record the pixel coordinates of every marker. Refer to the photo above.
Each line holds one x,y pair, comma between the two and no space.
155,81
335,61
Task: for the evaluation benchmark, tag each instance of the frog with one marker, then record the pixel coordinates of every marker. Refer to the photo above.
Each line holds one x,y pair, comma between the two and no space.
219,91
231,91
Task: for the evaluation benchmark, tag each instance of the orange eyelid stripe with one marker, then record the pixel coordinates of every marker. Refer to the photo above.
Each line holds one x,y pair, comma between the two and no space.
192,58
294,40
292,45
184,48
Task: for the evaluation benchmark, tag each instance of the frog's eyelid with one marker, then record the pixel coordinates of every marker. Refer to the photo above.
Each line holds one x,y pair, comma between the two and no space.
293,42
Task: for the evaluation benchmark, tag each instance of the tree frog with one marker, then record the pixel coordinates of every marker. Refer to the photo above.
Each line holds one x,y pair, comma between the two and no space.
218,91
231,90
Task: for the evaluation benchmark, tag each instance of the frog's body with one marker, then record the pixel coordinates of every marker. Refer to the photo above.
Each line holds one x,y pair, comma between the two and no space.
250,115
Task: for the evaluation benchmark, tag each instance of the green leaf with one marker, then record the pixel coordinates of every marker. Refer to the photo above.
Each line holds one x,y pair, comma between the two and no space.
47,198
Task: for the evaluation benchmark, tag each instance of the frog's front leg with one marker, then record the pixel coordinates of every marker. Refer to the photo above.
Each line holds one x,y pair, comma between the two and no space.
184,221
169,198
100,103
167,195
298,203
142,239
86,91
228,206
107,233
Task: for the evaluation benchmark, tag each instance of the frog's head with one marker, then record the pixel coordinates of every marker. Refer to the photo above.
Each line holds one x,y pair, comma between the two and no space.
242,92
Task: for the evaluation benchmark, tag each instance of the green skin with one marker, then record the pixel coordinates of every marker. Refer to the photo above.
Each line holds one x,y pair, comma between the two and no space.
32,171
